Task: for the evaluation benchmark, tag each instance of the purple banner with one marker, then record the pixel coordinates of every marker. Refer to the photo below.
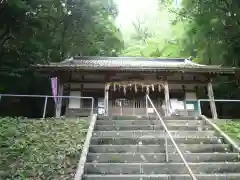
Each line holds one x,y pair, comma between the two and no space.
54,88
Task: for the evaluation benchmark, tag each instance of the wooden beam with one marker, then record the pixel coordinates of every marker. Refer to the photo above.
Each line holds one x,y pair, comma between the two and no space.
97,90
169,81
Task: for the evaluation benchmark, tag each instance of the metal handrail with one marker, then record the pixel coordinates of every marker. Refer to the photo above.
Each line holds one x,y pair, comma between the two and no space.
46,97
213,100
171,138
223,134
85,149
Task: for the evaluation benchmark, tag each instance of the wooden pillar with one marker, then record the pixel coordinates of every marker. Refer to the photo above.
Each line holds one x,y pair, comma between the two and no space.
134,107
68,85
212,102
185,101
167,99
106,98
59,101
81,94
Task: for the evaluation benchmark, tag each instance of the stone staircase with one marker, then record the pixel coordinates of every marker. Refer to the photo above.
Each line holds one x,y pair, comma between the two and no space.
132,148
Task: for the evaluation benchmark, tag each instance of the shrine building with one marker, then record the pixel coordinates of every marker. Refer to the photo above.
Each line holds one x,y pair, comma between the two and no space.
119,85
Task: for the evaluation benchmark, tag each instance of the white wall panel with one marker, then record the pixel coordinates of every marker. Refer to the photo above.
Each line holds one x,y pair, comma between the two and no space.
75,85
94,85
74,103
191,96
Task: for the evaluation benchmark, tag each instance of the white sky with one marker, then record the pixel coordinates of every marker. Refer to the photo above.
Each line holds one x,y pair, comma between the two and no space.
130,10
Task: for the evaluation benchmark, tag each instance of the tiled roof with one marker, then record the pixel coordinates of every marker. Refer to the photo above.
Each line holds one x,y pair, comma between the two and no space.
132,64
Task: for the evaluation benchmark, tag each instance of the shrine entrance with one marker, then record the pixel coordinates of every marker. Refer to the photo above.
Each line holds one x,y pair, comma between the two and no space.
128,98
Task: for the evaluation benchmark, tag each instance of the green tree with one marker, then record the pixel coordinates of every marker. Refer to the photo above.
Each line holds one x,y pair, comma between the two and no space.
212,37
39,31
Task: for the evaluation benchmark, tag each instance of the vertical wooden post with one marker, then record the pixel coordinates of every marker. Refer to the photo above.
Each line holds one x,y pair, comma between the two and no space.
167,99
81,94
185,106
59,101
134,105
159,97
106,97
147,92
69,79
185,101
212,102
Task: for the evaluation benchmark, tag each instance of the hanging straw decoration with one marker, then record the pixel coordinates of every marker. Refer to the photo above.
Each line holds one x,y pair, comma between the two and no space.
117,87
152,87
114,87
135,86
159,87
108,86
147,89
124,89
130,87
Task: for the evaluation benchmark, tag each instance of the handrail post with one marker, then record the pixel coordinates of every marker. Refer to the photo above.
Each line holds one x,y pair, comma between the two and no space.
45,107
92,106
199,107
166,146
146,105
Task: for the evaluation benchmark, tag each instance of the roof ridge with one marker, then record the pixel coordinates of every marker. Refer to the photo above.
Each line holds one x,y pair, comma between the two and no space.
124,58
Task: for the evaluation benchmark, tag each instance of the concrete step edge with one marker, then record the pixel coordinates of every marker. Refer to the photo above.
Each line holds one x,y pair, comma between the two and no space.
161,175
124,120
138,153
160,131
154,145
143,125
169,163
159,137
151,125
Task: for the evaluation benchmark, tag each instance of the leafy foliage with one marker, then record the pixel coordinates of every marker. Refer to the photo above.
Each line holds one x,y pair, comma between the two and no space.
232,128
49,31
205,30
40,31
35,149
212,37
155,37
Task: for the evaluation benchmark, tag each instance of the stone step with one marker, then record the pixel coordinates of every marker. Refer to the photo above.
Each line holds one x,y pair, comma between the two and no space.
126,117
161,168
152,133
154,141
146,117
145,127
194,148
149,122
160,157
163,177
180,117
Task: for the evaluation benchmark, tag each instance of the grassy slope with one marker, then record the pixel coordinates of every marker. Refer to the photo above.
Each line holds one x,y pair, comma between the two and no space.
40,150
232,128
